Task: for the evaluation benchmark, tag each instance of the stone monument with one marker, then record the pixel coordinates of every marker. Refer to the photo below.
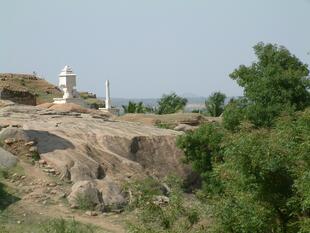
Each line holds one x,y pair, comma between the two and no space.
108,105
67,83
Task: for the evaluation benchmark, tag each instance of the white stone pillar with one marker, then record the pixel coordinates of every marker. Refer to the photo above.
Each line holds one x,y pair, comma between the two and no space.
107,95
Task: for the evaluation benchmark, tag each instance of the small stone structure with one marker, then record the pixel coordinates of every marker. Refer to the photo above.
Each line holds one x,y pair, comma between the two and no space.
17,96
108,103
67,83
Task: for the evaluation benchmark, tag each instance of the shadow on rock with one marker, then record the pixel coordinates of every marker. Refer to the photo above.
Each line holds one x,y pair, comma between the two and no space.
48,142
6,199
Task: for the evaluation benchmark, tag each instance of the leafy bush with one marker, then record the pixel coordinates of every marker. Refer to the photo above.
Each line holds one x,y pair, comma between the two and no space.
35,156
172,103
234,114
202,147
257,178
261,182
142,191
174,216
133,107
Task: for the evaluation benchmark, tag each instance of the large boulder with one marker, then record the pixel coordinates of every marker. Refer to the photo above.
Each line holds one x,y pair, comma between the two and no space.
185,128
86,170
112,196
103,195
13,132
85,191
7,160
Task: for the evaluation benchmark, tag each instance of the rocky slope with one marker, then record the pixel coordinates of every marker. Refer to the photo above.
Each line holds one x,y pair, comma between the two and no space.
19,87
94,152
40,88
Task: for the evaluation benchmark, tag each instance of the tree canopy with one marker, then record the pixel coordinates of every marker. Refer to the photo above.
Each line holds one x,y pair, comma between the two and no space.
257,180
255,165
276,82
171,104
133,107
215,104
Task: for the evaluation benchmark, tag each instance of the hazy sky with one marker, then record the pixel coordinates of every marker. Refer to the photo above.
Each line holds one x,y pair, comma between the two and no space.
147,47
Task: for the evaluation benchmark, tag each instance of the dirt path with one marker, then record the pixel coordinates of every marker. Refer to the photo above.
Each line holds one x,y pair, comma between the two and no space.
41,197
107,223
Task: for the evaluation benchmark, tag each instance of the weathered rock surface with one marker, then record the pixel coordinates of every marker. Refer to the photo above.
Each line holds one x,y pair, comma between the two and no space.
97,151
11,133
7,160
101,194
85,191
185,128
112,196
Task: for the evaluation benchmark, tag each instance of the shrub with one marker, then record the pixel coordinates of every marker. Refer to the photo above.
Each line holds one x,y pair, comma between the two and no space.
174,216
142,191
261,183
66,226
202,147
133,107
35,156
234,114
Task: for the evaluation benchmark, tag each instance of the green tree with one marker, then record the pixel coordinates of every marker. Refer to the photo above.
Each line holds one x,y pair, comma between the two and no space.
277,81
171,104
215,104
133,107
257,180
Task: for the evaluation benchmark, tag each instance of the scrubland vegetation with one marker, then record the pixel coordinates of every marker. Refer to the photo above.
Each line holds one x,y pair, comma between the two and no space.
255,166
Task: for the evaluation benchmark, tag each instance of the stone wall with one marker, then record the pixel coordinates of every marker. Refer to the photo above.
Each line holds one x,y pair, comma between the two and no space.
20,97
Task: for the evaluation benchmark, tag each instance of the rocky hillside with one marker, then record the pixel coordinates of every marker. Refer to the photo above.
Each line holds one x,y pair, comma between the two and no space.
44,91
94,152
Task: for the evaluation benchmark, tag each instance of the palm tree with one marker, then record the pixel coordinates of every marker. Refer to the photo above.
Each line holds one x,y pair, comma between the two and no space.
133,107
215,104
